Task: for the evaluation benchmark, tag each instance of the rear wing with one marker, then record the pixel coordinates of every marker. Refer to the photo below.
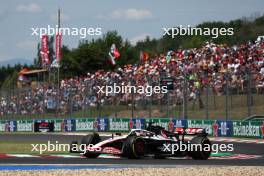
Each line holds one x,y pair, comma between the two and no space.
189,131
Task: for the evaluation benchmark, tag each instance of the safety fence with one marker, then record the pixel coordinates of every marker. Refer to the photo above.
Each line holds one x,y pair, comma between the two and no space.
217,128
225,96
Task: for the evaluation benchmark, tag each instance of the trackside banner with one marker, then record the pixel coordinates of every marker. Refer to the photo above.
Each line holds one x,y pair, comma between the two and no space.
248,129
85,124
119,124
101,124
58,123
3,126
11,126
69,125
213,127
25,125
253,129
137,123
126,124
217,128
91,124
222,128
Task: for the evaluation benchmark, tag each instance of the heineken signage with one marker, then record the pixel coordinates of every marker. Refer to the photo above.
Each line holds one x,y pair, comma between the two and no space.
2,126
246,129
119,124
25,125
85,124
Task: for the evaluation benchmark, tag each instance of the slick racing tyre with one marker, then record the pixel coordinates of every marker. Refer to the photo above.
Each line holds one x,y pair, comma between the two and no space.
91,139
134,147
204,149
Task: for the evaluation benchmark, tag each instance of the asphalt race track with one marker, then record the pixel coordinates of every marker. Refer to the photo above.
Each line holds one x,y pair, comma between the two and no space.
239,148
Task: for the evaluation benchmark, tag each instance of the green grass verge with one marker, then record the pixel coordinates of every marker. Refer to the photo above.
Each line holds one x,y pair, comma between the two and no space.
23,148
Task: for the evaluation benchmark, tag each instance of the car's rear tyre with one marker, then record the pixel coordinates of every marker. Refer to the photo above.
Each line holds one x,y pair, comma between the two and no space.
134,147
204,152
91,139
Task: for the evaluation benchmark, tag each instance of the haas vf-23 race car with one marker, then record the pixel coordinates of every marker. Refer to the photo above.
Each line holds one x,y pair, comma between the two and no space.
154,142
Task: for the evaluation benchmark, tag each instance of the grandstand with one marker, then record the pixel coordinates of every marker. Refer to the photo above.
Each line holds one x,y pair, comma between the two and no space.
221,82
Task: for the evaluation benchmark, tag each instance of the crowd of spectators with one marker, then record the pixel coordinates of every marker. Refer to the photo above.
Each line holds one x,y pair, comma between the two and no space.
213,66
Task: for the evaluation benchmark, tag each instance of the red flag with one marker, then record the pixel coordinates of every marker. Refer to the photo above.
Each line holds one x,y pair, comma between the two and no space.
44,50
144,56
116,53
58,46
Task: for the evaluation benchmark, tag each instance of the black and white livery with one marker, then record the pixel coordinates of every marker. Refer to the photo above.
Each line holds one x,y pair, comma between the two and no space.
154,141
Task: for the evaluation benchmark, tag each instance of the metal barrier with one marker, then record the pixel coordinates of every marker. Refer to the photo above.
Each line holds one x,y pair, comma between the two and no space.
216,128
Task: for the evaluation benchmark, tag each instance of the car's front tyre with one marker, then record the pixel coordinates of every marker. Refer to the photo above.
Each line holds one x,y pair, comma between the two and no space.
134,147
91,139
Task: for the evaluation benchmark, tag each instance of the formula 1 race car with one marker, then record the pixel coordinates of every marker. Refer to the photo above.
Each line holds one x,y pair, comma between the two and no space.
154,141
